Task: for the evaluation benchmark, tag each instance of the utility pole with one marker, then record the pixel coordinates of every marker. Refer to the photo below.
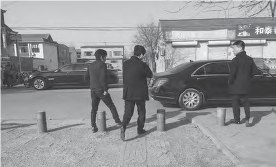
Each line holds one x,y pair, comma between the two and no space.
17,52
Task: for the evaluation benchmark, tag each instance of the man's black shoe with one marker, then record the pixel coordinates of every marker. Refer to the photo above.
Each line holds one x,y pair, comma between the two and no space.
118,123
122,133
141,131
94,129
232,121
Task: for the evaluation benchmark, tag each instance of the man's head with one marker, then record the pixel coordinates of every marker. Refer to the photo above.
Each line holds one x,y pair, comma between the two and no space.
101,54
238,47
139,50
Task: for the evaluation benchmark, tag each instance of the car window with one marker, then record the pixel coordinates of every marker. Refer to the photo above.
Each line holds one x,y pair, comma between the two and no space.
200,71
67,68
81,67
217,68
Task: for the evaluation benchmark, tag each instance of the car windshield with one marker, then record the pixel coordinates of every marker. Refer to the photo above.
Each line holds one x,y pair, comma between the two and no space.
179,68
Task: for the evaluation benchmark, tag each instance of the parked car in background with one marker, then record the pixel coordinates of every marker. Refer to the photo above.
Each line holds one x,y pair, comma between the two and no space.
193,84
70,74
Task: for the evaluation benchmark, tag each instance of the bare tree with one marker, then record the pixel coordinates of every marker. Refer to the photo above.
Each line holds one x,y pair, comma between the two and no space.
173,57
149,36
239,8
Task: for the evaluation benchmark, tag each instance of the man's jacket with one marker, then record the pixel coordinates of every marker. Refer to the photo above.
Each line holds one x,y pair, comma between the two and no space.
96,74
243,69
135,74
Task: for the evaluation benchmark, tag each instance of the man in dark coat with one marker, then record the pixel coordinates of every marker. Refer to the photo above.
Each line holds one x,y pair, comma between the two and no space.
97,75
135,90
243,69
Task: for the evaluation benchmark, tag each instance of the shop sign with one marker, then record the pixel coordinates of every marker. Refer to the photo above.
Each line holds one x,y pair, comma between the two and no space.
256,31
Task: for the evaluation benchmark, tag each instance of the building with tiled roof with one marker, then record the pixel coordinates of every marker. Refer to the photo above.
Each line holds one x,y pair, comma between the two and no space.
41,47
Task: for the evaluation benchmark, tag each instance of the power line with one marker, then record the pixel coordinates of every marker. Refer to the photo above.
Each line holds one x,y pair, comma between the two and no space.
6,5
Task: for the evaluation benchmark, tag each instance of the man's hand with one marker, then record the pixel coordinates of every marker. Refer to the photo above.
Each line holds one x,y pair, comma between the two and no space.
105,93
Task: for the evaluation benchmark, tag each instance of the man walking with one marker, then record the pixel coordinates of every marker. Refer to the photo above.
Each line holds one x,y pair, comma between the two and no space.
135,90
243,69
97,75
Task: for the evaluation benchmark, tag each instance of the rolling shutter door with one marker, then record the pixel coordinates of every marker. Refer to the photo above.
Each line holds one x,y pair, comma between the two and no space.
218,52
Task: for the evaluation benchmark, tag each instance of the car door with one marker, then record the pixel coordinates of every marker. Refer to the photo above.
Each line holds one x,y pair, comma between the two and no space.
212,78
77,75
263,86
61,75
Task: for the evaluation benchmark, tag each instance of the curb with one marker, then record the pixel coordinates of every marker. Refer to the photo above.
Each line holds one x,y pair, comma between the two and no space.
219,144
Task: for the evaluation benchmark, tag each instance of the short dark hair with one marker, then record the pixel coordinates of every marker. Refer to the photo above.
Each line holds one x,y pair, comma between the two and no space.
239,43
138,50
100,53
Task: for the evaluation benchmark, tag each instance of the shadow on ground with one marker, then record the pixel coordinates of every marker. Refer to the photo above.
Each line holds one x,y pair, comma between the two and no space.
64,127
257,116
16,89
5,126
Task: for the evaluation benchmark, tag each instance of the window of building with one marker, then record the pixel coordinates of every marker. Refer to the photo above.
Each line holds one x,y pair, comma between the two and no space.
23,47
217,68
109,54
117,53
114,61
88,53
35,48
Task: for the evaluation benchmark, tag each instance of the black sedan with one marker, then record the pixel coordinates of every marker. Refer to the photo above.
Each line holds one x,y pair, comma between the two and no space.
193,84
71,74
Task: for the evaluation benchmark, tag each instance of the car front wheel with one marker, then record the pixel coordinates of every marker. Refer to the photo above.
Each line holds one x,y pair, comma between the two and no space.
190,99
39,83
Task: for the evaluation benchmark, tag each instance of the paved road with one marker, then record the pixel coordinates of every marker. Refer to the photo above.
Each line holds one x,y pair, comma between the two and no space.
23,103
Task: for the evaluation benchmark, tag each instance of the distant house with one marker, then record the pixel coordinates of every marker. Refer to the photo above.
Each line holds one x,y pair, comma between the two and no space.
41,47
63,55
73,54
6,33
78,51
115,54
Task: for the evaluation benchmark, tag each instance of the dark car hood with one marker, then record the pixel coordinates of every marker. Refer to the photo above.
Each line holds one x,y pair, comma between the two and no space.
43,72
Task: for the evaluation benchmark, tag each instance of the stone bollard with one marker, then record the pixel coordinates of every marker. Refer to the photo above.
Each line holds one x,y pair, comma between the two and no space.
221,114
161,120
41,122
101,121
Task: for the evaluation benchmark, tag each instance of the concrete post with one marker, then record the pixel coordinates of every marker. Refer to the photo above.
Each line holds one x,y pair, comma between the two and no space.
160,120
221,114
101,121
41,122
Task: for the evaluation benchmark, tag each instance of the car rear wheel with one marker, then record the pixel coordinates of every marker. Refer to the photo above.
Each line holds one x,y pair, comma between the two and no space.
39,83
190,99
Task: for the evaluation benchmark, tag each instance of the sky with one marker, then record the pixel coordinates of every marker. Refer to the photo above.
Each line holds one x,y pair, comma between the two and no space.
94,14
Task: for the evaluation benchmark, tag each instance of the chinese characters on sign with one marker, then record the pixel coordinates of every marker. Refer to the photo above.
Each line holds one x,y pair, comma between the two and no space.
256,31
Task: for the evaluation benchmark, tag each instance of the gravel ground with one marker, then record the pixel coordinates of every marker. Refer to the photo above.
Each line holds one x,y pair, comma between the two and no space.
183,145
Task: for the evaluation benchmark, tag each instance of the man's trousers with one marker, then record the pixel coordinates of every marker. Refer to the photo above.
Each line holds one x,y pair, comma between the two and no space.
129,109
237,100
96,96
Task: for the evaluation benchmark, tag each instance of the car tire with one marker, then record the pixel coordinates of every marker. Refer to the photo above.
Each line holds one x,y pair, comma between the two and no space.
191,99
39,83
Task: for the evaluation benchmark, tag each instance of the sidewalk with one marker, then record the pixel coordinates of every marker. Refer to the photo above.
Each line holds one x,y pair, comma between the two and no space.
253,146
71,142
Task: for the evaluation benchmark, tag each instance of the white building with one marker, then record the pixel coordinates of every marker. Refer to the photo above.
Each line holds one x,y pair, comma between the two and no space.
115,54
